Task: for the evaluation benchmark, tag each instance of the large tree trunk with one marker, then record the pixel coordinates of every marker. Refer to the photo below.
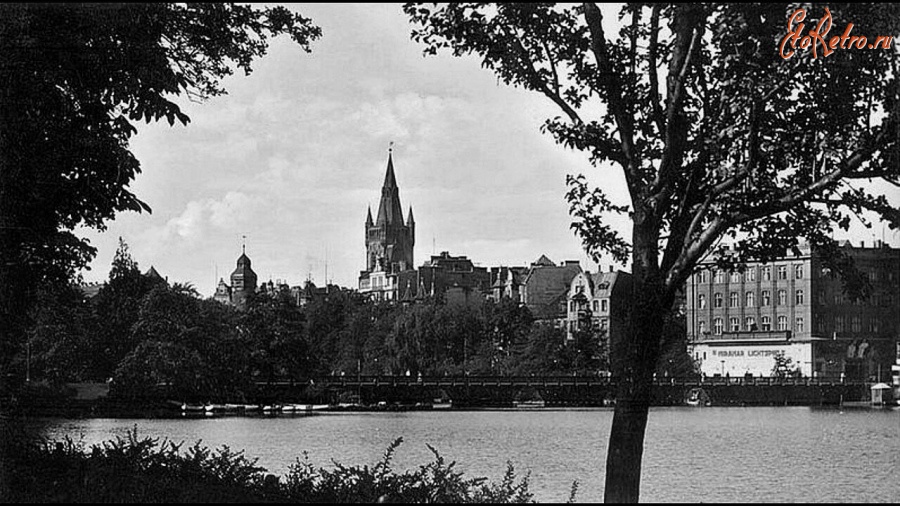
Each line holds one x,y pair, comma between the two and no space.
633,368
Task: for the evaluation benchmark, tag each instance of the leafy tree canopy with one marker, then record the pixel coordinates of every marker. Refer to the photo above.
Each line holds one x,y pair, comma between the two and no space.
716,133
74,78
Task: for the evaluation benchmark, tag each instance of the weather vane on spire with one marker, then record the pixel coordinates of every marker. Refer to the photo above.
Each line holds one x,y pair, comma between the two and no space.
391,147
244,244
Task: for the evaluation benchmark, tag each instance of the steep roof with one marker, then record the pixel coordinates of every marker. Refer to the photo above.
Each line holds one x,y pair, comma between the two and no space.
151,273
544,286
389,211
543,261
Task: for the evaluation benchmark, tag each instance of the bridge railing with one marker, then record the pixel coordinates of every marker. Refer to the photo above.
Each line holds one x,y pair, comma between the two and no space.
534,381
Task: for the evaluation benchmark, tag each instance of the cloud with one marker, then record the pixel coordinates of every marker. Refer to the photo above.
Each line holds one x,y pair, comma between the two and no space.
193,224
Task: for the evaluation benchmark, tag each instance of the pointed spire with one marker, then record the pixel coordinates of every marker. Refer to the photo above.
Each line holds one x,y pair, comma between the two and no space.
390,181
409,220
369,217
389,211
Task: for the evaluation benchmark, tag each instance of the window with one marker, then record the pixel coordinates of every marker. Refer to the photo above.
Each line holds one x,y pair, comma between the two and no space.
717,326
701,326
798,296
856,323
604,305
839,323
782,272
735,277
798,272
751,274
734,299
701,301
765,298
750,323
735,324
701,277
720,276
766,323
750,299
718,300
782,297
604,323
798,324
874,325
839,298
594,306
572,306
767,273
782,323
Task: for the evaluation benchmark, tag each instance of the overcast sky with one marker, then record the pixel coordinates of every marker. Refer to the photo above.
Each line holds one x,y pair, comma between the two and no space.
295,153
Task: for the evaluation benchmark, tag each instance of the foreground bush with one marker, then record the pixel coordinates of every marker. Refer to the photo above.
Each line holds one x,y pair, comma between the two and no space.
147,470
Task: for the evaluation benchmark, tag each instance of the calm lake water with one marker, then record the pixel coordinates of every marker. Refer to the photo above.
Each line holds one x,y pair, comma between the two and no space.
758,454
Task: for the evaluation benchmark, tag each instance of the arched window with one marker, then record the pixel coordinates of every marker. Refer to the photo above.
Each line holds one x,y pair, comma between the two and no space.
782,322
717,326
782,298
701,301
750,323
701,326
766,323
718,300
750,299
765,298
733,299
735,324
798,324
799,297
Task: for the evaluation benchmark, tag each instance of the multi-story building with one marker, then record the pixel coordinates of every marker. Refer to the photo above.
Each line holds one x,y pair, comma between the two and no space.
389,243
243,284
454,279
600,301
738,322
545,288
506,282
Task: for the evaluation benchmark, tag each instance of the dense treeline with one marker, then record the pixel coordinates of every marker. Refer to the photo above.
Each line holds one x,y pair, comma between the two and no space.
141,331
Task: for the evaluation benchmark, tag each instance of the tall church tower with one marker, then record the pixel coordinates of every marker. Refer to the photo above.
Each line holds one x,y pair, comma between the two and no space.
390,239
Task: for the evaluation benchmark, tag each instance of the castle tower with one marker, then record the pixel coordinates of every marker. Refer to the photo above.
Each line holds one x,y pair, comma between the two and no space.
243,281
390,239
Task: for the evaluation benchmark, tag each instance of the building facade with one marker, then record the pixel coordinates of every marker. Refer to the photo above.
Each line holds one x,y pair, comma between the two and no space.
243,284
600,301
738,322
389,243
545,289
455,279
